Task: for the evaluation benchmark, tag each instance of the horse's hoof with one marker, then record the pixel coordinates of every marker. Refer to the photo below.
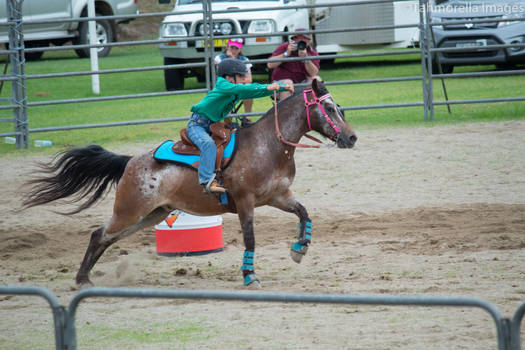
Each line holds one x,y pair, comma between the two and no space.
251,281
254,285
297,252
296,256
84,284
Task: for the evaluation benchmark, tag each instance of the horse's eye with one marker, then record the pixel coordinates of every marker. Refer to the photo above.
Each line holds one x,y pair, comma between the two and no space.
330,109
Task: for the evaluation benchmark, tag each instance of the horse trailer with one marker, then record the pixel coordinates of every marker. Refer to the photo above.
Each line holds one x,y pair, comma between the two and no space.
388,14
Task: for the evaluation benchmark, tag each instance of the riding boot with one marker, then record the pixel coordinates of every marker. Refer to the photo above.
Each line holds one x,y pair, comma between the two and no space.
214,187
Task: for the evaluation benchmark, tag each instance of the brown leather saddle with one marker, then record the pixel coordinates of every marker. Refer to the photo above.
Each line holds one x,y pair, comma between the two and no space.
221,134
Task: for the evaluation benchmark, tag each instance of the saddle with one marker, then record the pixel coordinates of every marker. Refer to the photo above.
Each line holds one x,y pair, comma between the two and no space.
221,134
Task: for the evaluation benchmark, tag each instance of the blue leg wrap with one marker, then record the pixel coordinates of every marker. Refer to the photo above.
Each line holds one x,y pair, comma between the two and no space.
247,261
247,265
304,237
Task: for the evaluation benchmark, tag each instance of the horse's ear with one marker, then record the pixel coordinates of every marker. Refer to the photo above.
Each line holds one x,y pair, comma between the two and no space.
315,86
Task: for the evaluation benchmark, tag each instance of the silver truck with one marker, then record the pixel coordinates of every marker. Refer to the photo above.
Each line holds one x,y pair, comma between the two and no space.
58,33
475,37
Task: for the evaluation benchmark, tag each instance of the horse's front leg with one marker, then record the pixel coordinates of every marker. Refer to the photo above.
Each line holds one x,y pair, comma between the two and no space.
246,209
304,231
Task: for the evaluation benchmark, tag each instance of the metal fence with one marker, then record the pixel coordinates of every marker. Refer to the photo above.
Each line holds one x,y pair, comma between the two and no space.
20,103
508,330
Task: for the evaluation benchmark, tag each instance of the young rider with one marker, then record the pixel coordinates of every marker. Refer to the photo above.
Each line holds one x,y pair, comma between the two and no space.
215,106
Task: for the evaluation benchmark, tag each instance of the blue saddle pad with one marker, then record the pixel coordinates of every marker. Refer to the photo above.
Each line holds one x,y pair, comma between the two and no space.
165,153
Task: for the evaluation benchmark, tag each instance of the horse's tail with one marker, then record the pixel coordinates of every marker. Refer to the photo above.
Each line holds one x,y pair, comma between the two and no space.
84,173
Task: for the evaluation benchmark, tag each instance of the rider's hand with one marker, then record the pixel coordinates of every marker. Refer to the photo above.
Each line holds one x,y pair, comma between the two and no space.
272,87
276,86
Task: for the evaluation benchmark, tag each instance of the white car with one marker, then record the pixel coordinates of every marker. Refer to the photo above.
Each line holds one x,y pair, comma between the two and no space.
225,25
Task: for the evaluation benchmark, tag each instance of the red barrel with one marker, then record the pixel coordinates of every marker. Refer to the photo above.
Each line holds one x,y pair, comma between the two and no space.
184,234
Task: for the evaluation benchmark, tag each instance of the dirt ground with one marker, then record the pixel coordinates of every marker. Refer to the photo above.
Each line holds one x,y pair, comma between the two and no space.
435,211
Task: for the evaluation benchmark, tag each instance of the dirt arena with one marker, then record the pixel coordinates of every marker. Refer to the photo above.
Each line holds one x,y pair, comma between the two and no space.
435,211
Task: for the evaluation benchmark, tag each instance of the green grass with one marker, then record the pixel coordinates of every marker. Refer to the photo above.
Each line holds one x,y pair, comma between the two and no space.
164,335
169,335
176,106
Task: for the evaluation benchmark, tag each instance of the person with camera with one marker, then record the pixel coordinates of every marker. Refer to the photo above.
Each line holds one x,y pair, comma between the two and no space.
294,71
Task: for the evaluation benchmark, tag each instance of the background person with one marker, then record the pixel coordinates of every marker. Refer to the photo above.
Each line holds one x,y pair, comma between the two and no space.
296,71
234,50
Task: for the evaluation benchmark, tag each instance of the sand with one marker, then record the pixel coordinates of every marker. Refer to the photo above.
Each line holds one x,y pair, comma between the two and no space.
434,211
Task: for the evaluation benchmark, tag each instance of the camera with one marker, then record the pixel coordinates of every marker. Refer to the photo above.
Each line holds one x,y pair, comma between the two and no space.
301,45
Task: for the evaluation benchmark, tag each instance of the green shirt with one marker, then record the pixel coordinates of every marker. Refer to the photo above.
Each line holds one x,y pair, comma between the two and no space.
224,96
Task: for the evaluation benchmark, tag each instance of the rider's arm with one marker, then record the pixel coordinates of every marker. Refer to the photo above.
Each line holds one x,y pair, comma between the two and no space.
243,91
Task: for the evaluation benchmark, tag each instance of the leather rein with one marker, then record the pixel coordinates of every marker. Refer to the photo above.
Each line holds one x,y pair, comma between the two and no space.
307,103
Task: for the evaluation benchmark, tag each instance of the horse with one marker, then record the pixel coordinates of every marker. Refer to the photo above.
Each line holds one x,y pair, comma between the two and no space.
260,173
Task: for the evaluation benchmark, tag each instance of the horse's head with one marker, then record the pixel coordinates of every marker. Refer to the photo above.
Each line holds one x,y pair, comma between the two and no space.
325,116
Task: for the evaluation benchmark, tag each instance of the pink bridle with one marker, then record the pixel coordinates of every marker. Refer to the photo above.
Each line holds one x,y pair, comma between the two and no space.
317,101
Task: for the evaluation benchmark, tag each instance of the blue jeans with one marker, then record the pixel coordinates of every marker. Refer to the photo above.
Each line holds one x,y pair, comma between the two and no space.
198,131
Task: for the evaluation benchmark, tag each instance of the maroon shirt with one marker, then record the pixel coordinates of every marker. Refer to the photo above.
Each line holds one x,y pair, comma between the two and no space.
296,71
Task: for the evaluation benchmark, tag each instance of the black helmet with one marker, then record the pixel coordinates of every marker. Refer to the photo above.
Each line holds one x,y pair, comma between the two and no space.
230,67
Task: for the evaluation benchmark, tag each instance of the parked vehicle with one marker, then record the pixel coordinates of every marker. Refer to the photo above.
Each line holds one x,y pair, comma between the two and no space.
477,36
395,13
256,22
58,33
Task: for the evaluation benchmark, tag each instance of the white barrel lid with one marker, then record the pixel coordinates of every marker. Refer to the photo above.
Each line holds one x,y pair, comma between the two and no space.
185,221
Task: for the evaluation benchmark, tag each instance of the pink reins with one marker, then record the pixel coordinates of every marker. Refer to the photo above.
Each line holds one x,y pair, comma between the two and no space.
307,103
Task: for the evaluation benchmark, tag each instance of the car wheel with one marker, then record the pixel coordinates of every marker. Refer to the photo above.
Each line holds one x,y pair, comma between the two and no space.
174,78
104,33
34,56
445,68
201,75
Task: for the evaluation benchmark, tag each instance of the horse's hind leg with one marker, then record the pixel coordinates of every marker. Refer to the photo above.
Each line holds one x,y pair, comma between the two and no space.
304,231
105,236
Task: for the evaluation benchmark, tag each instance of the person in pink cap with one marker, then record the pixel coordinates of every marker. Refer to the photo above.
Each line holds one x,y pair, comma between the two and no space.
234,50
295,71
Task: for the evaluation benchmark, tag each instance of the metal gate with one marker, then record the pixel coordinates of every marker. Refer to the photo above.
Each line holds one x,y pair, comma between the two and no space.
508,330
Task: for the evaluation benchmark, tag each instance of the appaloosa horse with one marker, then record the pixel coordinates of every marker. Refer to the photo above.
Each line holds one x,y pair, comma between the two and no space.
260,173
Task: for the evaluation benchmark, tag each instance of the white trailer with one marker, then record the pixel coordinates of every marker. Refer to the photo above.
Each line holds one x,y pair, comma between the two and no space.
365,15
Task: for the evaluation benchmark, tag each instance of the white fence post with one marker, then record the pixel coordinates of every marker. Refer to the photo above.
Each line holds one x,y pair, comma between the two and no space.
92,29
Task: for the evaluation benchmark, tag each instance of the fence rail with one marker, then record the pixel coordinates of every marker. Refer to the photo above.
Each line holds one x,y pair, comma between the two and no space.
508,330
